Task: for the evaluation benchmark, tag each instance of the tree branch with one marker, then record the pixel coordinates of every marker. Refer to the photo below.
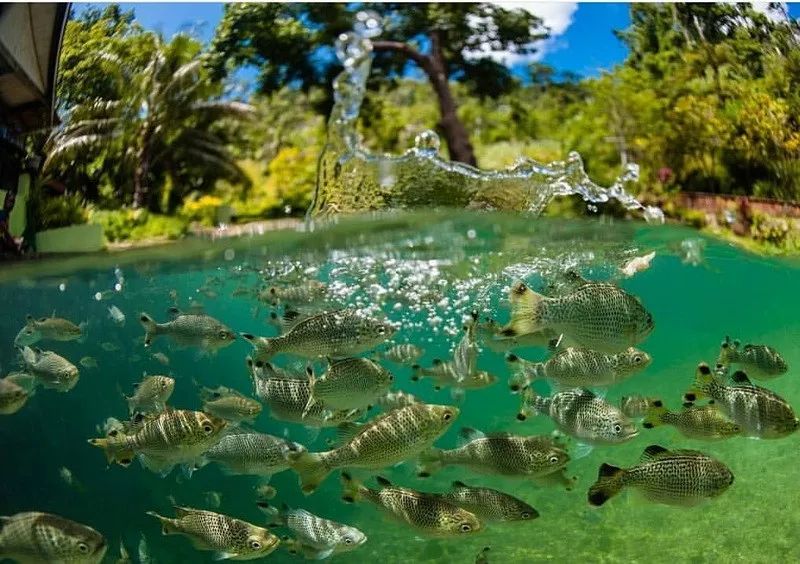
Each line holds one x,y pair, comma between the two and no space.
423,61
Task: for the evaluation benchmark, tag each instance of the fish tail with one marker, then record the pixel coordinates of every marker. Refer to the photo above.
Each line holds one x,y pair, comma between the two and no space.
417,373
609,483
430,462
275,516
654,416
703,382
525,372
264,348
526,311
531,403
352,489
150,328
116,450
310,468
167,525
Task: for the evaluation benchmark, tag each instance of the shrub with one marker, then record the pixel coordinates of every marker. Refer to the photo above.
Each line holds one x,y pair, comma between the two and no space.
129,224
202,209
61,211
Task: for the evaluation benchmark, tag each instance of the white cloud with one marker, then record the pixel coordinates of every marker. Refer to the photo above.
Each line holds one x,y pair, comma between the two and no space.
774,15
557,16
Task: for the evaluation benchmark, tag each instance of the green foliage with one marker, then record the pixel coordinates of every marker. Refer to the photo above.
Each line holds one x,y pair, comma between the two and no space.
60,211
202,209
136,225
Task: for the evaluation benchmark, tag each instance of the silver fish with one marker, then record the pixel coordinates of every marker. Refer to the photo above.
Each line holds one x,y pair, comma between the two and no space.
51,370
189,330
252,453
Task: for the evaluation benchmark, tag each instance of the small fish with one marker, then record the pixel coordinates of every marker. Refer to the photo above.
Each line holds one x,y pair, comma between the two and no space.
164,440
390,438
577,367
233,408
671,477
445,374
694,422
43,538
265,492
12,396
334,334
110,425
88,362
637,264
51,370
110,347
395,399
498,454
124,557
48,329
116,315
488,504
596,316
483,555
402,354
761,362
635,406
758,412
429,513
493,338
212,499
252,453
151,394
316,538
188,329
307,292
161,358
350,383
287,320
144,551
583,415
227,537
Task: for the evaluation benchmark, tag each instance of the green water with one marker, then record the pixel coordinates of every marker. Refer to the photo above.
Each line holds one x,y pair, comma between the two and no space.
468,259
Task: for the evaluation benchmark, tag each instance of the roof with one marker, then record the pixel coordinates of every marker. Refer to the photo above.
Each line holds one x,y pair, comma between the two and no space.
30,40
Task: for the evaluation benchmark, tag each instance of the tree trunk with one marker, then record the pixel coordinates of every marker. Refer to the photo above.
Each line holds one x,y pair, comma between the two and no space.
455,134
141,180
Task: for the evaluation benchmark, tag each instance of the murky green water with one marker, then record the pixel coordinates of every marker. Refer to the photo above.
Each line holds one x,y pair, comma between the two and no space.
437,268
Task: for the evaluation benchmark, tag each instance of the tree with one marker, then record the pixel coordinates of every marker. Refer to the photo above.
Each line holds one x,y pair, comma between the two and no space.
288,42
163,130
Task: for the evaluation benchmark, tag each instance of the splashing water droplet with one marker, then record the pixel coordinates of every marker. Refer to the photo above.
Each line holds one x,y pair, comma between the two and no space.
427,142
368,24
654,215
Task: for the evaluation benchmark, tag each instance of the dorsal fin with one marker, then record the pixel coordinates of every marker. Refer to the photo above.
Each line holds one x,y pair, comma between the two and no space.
183,511
459,484
741,378
653,452
467,434
383,482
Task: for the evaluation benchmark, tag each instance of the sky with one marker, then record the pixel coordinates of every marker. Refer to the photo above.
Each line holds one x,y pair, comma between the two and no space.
582,39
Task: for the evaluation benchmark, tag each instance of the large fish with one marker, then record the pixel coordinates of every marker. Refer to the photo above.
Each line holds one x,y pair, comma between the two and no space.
43,538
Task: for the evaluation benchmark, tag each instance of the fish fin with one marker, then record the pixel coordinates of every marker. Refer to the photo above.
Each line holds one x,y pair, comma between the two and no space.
150,328
467,434
114,449
417,373
188,469
457,394
312,401
352,489
167,525
430,462
741,378
346,431
310,468
653,452
554,343
224,555
275,517
582,450
383,482
160,468
703,380
314,554
608,484
83,326
459,484
174,311
653,417
313,433
525,311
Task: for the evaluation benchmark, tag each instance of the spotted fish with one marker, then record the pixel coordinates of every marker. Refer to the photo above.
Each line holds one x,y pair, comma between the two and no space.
12,396
761,362
228,538
759,412
48,329
671,477
695,422
50,369
403,353
488,504
43,538
350,383
190,330
253,453
635,406
151,394
426,512
596,316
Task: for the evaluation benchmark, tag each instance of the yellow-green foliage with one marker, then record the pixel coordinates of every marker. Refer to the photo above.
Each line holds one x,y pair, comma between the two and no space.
136,225
61,211
201,209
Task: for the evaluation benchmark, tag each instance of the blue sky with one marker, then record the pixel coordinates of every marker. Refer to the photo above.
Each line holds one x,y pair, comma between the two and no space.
583,41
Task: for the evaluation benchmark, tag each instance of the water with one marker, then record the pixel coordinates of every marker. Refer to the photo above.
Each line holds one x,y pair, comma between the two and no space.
437,267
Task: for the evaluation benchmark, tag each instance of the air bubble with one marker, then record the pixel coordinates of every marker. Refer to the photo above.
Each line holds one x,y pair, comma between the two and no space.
427,142
62,287
229,254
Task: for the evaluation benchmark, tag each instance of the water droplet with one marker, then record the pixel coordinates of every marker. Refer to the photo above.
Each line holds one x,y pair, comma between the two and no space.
229,254
98,296
471,234
118,287
62,287
427,142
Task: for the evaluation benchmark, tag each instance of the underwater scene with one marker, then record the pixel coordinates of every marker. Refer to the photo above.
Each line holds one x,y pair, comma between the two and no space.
412,334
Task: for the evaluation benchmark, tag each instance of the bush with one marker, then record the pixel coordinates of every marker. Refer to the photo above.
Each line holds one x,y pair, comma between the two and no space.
202,209
61,211
128,224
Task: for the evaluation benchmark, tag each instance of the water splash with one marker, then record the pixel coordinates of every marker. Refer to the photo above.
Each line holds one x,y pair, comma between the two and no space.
351,178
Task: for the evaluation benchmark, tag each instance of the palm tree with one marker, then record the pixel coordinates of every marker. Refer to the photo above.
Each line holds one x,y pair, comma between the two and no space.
165,130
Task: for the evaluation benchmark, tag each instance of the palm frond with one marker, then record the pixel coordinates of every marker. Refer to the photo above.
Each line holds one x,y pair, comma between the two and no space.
64,148
220,108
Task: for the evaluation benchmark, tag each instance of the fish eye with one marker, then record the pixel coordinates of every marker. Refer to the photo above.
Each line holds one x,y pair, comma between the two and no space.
525,515
465,527
207,428
617,427
83,547
448,415
223,335
637,359
553,459
348,540
255,545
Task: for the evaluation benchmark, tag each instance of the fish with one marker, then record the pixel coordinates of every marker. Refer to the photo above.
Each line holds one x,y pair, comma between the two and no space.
694,422
306,292
48,329
350,383
488,504
88,362
335,334
161,358
582,368
116,315
404,353
69,478
596,316
144,552
110,347
498,454
124,556
390,438
671,477
151,394
492,337
758,411
12,396
583,415
188,329
637,264
635,406
483,555
227,537
212,499
444,374
760,362
233,408
288,319
257,454
287,398
316,538
426,512
265,491
43,538
164,440
395,399
51,370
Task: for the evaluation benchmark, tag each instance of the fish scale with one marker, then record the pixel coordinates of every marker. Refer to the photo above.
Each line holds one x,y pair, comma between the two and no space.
584,367
252,453
760,361
43,538
51,370
489,504
318,537
188,329
151,394
695,422
350,383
